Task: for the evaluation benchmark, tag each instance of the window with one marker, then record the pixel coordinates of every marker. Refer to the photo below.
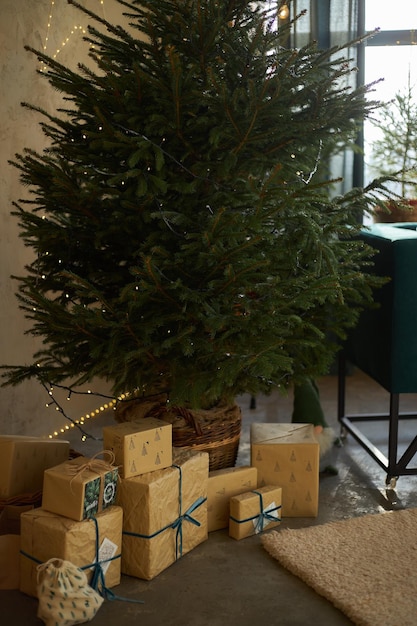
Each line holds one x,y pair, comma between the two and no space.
390,55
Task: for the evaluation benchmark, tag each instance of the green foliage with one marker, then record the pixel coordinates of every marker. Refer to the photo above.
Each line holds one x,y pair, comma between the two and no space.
395,151
183,234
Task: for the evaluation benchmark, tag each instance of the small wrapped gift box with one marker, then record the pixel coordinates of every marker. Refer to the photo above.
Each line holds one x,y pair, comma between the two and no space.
287,455
165,514
140,446
23,461
93,545
254,511
80,488
222,485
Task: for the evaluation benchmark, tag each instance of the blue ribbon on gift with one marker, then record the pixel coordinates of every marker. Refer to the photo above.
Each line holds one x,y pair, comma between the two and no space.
262,517
98,580
177,524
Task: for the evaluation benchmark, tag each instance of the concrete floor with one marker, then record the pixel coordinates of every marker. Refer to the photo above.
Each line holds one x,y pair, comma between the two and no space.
224,582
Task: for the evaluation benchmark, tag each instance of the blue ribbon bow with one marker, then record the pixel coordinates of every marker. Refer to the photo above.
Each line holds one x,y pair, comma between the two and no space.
177,524
261,517
98,580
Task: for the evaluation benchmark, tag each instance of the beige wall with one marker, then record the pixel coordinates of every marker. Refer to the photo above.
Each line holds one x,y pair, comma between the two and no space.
25,22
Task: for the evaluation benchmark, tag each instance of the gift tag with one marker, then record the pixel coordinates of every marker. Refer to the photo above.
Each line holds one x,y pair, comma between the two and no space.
106,551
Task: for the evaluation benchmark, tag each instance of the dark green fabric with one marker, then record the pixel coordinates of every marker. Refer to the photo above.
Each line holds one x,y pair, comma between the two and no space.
307,407
384,342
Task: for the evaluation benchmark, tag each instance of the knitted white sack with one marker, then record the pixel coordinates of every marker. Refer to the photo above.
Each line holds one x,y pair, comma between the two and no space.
65,597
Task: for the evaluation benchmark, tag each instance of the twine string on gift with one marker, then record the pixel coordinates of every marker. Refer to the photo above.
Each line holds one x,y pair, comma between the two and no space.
93,464
265,515
177,524
98,580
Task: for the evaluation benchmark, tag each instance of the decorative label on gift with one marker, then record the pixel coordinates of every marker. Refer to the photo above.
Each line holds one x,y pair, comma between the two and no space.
106,553
272,511
80,488
92,501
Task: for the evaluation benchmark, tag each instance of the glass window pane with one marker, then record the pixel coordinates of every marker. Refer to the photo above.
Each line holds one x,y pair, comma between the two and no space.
392,63
390,14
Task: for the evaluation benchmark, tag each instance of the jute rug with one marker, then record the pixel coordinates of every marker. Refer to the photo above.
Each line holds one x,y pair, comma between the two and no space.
365,566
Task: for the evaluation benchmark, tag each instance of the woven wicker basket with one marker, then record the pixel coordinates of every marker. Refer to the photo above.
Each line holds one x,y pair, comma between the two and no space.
216,430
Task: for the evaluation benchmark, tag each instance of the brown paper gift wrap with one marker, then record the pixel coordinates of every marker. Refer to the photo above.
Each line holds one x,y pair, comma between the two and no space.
255,511
222,485
287,455
165,514
140,446
23,461
45,535
79,488
9,561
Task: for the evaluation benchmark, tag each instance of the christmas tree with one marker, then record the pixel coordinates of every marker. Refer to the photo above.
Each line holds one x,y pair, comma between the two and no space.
184,232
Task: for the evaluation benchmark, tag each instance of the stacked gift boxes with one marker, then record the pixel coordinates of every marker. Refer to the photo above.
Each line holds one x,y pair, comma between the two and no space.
150,504
77,522
163,493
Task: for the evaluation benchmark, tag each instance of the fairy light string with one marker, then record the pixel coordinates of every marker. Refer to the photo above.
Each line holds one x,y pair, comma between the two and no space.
74,30
72,34
80,422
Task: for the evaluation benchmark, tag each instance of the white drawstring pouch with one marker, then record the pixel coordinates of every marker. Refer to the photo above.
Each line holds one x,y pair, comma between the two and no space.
65,597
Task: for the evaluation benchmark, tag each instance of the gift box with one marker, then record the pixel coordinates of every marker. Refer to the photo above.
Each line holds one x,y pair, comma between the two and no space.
23,461
165,514
10,518
9,561
80,488
287,455
222,485
254,511
93,545
140,446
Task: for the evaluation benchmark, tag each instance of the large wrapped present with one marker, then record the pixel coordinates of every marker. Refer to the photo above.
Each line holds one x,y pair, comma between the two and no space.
255,511
222,485
287,455
93,545
23,461
140,446
165,514
80,488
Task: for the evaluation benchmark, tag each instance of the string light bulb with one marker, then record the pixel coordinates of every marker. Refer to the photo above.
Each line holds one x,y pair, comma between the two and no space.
283,12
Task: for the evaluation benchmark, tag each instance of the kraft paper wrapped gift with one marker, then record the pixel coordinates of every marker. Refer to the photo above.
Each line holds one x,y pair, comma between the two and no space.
164,514
45,535
287,455
80,488
255,511
23,461
140,446
10,518
9,561
222,485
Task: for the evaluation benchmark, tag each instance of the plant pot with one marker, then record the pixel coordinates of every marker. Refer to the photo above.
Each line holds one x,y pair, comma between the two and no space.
397,214
215,430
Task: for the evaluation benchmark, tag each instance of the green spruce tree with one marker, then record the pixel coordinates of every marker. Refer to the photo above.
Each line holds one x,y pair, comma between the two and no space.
183,231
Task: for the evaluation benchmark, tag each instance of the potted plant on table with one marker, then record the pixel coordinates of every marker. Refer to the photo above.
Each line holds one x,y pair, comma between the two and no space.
394,151
187,246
